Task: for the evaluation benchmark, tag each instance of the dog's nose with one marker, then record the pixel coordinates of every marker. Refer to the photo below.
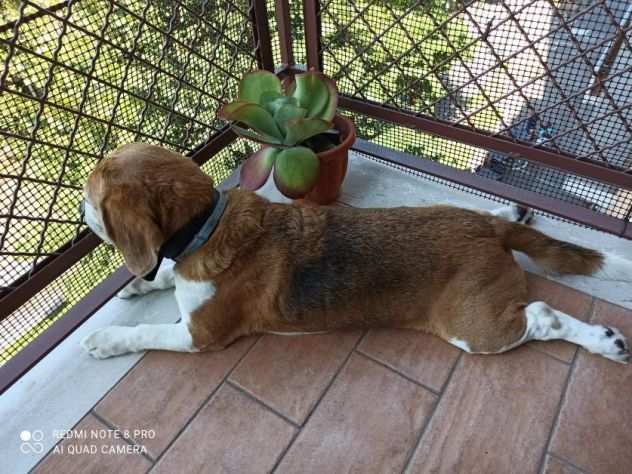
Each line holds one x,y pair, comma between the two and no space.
82,209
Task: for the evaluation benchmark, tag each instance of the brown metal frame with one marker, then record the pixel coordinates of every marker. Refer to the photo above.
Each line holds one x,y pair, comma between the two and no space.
261,34
282,13
311,17
611,54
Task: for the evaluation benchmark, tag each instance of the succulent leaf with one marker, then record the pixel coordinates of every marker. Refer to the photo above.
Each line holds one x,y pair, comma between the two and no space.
253,115
312,93
329,111
276,104
296,171
286,113
256,136
267,97
300,129
256,169
255,83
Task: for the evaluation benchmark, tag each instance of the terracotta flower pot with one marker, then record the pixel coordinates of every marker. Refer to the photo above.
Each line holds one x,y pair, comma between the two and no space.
333,164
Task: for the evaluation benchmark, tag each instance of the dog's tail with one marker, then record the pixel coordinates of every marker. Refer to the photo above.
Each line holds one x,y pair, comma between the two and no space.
564,258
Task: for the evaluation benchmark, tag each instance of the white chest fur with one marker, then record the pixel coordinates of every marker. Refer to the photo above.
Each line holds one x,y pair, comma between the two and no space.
190,295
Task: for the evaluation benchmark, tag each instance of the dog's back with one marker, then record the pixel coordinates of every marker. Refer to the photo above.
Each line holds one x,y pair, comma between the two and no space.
345,267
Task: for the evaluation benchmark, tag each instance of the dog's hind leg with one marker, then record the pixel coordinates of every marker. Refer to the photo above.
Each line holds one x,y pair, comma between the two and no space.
545,323
536,321
514,213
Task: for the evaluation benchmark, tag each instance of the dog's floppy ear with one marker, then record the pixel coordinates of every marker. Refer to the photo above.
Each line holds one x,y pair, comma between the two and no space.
130,225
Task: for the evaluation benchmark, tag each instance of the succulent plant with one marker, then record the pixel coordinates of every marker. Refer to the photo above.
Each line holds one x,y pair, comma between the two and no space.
292,122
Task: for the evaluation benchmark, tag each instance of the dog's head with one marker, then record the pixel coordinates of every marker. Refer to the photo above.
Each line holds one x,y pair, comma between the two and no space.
137,197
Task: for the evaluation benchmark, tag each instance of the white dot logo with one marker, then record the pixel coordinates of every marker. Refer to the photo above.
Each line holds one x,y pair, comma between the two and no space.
31,441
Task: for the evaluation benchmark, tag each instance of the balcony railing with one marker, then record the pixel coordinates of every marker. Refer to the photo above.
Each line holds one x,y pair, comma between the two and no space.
527,101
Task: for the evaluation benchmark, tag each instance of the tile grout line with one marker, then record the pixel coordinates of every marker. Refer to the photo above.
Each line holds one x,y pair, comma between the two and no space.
563,397
397,371
320,398
297,430
129,441
241,360
425,426
285,450
253,397
118,381
202,405
566,462
89,411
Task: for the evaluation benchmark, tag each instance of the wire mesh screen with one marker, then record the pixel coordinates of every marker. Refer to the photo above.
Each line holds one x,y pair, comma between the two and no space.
551,74
79,79
19,328
523,174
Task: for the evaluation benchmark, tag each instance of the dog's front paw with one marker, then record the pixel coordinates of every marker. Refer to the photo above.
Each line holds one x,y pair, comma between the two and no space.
164,279
136,287
106,342
126,293
610,343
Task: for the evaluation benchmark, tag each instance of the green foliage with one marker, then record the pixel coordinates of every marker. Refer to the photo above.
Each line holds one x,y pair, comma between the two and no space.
406,67
289,122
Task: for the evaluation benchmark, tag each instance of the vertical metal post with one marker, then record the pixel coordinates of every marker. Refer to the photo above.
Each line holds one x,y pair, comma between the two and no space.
311,17
282,11
261,34
605,62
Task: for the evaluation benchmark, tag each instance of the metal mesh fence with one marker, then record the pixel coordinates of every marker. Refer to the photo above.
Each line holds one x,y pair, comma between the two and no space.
79,79
590,194
550,74
44,308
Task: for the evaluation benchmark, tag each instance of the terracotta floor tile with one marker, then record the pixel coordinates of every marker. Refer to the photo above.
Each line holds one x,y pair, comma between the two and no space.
367,422
565,299
99,453
290,373
231,434
555,466
496,413
165,389
594,430
422,357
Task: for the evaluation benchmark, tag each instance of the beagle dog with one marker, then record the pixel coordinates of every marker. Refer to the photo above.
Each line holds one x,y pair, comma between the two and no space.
246,266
